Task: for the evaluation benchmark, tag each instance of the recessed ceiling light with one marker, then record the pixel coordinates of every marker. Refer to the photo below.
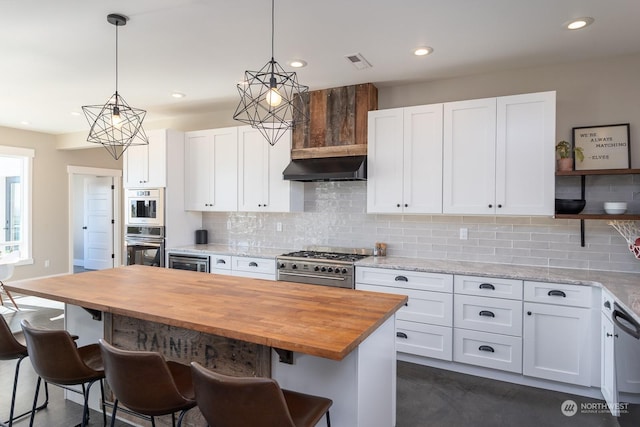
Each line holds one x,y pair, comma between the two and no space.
579,23
423,51
178,95
25,123
297,63
74,113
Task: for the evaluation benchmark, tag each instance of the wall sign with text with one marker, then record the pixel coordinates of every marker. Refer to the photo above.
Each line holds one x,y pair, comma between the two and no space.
604,147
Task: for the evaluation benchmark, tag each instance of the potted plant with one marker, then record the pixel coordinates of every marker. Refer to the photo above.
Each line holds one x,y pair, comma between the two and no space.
565,162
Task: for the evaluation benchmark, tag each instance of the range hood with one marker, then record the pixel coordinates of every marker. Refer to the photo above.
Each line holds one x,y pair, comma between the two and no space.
350,168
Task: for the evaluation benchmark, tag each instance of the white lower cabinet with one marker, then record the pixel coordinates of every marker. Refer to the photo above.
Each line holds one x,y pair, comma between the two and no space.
423,339
556,343
489,350
257,268
424,324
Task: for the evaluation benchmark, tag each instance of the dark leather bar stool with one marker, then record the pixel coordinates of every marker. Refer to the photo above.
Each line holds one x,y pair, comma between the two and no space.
56,359
227,401
147,384
12,349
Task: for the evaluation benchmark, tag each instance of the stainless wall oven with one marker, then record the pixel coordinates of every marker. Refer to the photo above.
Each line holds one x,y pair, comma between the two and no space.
189,262
145,206
145,245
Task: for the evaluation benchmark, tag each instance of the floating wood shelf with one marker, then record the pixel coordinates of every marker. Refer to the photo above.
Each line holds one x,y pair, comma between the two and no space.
582,174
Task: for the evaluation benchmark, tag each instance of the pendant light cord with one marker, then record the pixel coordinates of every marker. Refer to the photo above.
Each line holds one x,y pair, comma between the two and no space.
117,60
272,28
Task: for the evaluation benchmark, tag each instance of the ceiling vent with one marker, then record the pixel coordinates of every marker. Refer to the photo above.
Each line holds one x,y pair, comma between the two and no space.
358,61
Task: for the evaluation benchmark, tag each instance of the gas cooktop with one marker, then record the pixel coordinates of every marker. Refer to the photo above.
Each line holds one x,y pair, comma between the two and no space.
332,256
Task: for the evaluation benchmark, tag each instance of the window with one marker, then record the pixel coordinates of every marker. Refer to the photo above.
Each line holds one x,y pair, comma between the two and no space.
15,201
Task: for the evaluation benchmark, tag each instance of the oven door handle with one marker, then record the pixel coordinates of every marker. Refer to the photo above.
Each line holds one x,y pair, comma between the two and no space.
315,276
130,242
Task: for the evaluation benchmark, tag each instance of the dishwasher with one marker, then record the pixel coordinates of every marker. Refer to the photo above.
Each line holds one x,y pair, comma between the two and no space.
189,262
627,365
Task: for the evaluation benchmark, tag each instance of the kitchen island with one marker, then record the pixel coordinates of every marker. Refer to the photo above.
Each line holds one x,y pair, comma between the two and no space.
341,342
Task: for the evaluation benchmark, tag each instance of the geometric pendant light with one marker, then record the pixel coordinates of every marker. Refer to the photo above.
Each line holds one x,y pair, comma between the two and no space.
116,125
271,99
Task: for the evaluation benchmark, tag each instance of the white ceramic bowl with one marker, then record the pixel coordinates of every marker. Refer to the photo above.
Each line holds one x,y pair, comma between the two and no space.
615,208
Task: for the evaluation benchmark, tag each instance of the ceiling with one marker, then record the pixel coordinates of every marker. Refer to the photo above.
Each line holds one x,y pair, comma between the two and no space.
56,56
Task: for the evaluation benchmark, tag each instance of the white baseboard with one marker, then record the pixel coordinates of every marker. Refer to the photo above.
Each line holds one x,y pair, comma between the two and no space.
78,262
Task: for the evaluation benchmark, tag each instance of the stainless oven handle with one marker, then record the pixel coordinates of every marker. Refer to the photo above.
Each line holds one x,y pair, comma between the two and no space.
130,242
315,276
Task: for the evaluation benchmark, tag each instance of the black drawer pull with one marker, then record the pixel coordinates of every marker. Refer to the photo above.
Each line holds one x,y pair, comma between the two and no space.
253,264
554,293
401,279
487,313
401,335
406,304
607,304
220,261
487,286
486,348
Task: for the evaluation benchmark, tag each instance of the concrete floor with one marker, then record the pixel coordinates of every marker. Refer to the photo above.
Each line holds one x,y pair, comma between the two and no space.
438,398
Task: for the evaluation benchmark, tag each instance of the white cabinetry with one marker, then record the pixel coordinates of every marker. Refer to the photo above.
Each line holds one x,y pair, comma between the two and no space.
260,184
211,177
405,160
499,155
145,166
423,325
557,332
256,268
488,329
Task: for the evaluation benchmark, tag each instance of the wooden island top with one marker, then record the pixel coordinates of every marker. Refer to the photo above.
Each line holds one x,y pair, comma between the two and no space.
321,321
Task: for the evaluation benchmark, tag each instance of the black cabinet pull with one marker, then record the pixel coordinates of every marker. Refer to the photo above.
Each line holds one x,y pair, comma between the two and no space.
398,205
221,261
84,228
406,205
401,335
401,279
555,293
487,286
490,206
487,313
486,348
607,304
499,206
253,264
406,304
529,313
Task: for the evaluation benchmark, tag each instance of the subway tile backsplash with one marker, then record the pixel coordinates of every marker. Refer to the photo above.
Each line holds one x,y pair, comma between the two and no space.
335,215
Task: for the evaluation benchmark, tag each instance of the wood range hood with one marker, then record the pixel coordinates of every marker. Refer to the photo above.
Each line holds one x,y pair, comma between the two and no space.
333,144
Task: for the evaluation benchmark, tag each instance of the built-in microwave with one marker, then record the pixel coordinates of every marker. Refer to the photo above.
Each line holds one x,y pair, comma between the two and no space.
145,206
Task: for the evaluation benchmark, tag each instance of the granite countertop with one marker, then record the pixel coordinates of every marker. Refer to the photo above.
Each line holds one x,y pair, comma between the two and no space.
234,250
625,287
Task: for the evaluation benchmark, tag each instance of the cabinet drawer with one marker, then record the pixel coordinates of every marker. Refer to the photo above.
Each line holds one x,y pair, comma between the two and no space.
424,340
253,265
435,308
489,350
558,293
495,315
405,279
221,263
488,287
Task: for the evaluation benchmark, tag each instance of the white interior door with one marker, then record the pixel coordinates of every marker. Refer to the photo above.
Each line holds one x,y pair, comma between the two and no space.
98,226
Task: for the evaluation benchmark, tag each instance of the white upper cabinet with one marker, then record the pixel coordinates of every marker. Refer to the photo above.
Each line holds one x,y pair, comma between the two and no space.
145,166
525,154
261,187
405,160
469,157
211,158
499,155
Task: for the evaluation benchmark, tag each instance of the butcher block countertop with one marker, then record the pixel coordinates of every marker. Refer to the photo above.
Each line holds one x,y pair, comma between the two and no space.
317,320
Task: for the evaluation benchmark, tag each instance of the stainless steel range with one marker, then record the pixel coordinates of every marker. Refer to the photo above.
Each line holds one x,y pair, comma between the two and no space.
321,266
